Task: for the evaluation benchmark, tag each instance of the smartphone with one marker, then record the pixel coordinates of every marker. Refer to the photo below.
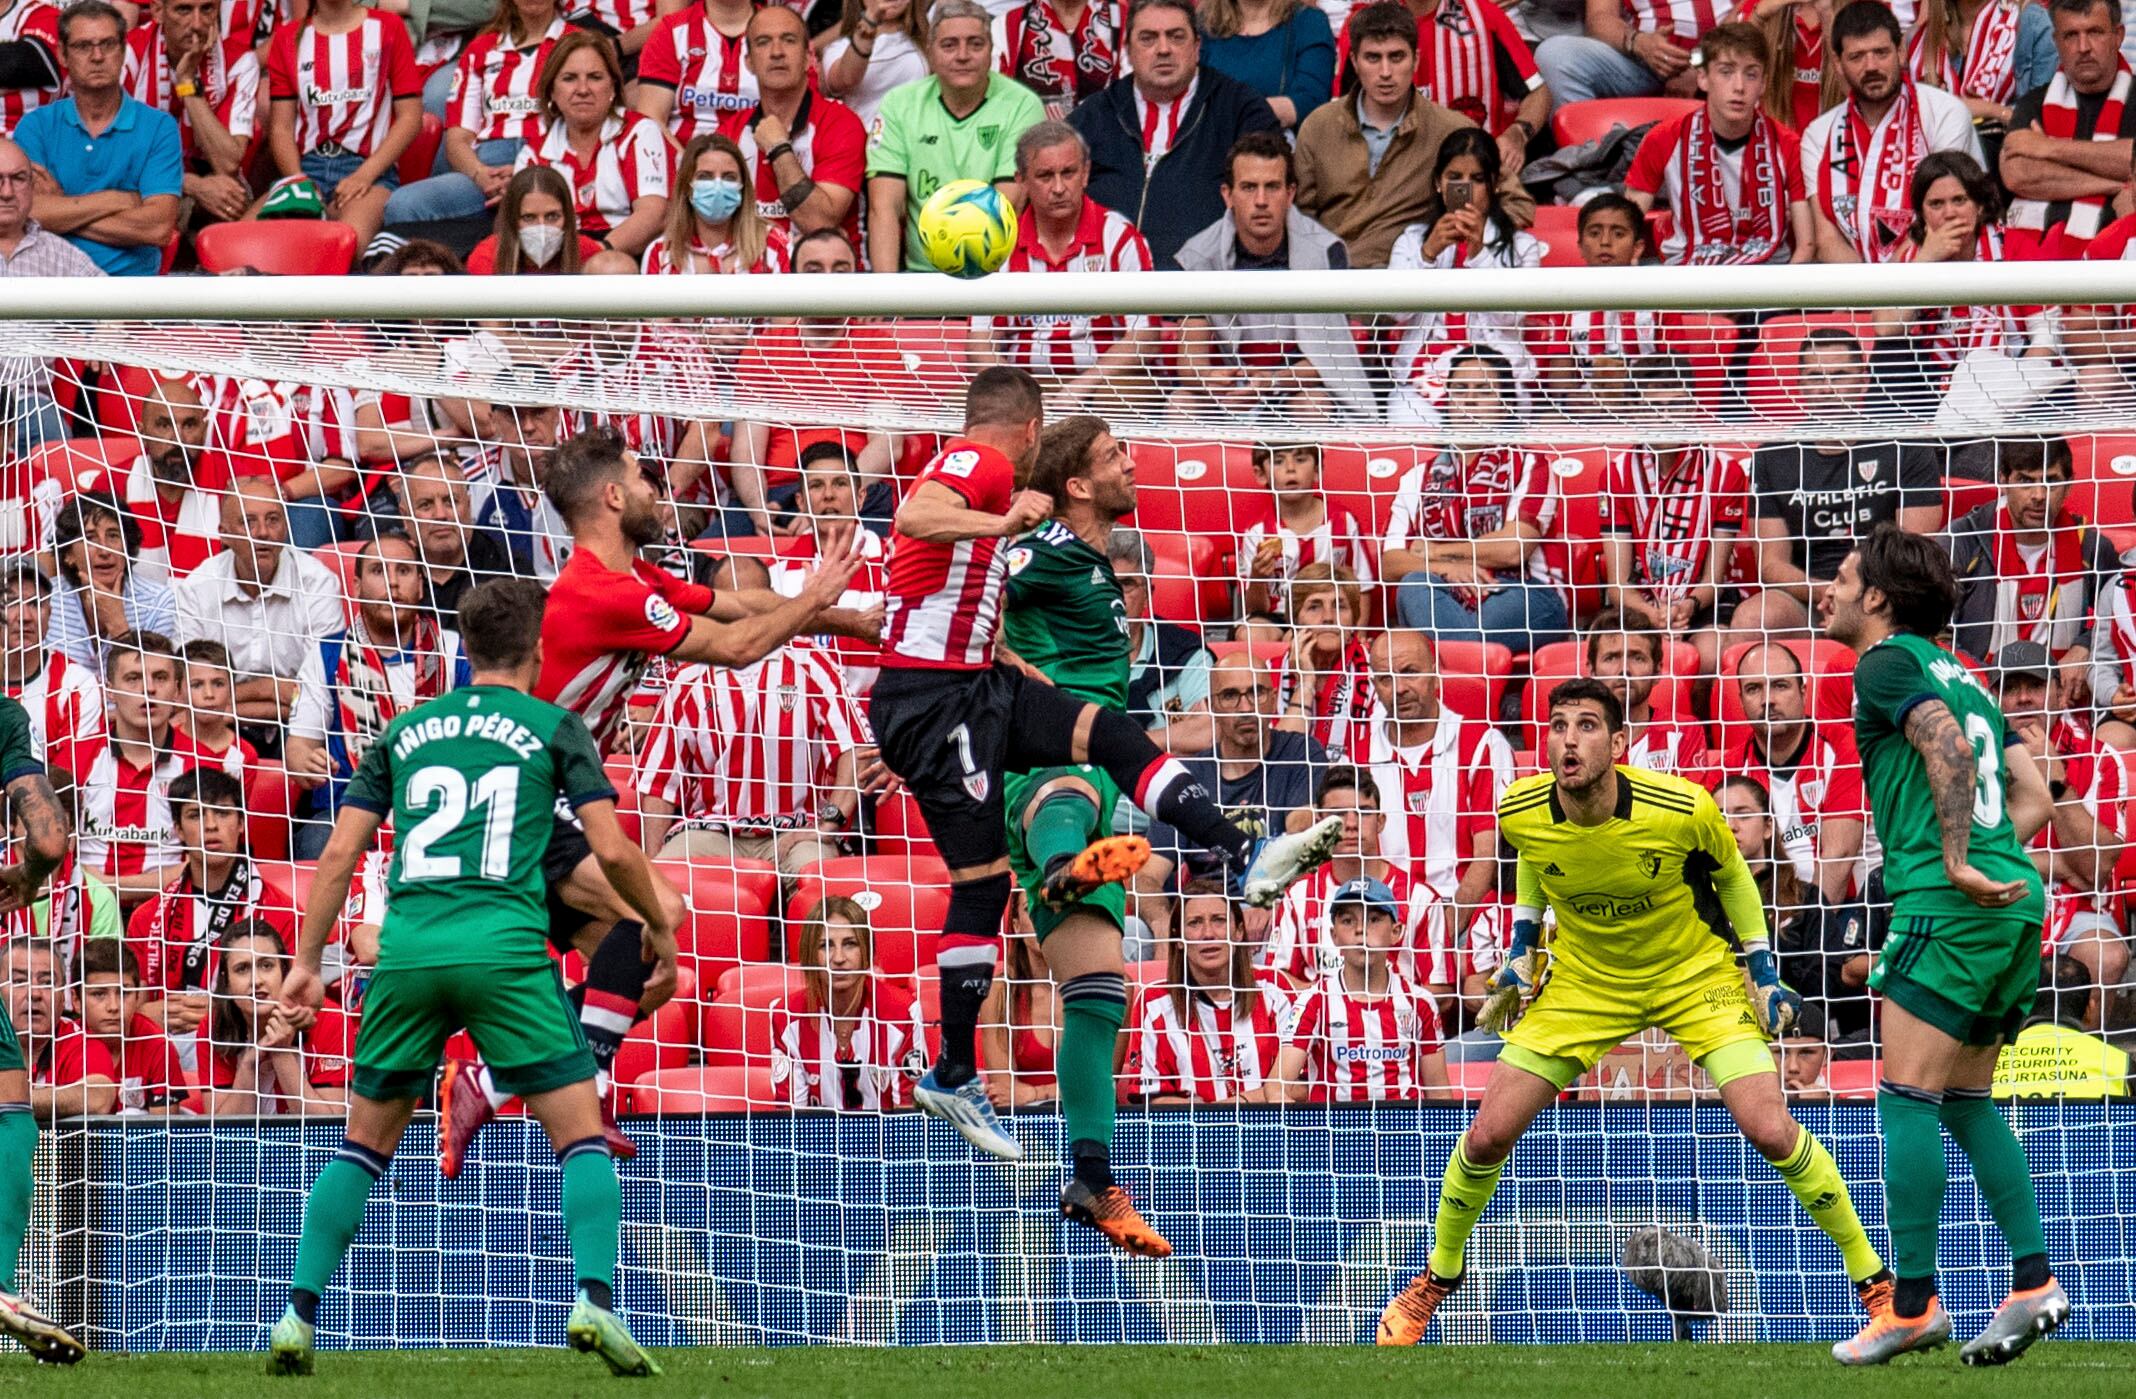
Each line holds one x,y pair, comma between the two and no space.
1458,194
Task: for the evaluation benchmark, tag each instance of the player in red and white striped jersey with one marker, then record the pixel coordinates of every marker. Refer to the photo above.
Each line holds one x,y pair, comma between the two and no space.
62,697
123,787
1299,946
1809,767
693,73
1627,656
1364,1033
795,140
345,100
1211,1033
853,1039
183,49
618,163
1300,527
34,26
1064,230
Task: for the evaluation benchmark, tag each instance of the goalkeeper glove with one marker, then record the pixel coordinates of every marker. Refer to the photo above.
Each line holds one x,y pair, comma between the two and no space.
1515,981
1778,1005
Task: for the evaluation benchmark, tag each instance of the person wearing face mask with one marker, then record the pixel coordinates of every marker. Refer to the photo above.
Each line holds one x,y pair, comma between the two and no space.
537,230
617,161
715,227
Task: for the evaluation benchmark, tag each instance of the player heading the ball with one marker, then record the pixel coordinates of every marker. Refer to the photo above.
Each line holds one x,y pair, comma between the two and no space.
1653,903
1956,798
952,718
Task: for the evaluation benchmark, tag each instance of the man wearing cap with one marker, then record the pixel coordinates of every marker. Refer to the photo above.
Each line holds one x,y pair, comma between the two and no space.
1365,1033
2090,782
63,698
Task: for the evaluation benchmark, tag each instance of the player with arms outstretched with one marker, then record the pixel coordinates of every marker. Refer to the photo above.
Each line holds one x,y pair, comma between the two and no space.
471,780
1067,619
43,850
951,719
609,614
1653,901
1955,796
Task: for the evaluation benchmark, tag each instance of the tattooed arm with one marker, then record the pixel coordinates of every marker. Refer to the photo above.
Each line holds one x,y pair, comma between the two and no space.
1952,768
46,836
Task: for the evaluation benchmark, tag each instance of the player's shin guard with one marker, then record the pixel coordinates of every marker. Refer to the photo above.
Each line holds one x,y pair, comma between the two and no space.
18,1181
2005,1180
966,956
1915,1178
332,1213
1464,1192
1162,787
1814,1177
593,1215
615,982
1093,1008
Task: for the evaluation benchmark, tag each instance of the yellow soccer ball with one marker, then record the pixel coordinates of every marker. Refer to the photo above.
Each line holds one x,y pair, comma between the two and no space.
967,228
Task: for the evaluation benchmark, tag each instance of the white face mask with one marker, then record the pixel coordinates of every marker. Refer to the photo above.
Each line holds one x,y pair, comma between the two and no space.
540,242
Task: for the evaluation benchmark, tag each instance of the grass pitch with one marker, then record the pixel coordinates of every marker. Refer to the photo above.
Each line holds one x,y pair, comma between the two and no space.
2073,1370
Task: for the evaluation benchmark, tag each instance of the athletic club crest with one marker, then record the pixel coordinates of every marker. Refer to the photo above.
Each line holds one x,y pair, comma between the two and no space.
976,786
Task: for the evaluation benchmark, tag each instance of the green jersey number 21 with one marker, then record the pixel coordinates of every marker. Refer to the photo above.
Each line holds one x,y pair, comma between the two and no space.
1987,765
495,795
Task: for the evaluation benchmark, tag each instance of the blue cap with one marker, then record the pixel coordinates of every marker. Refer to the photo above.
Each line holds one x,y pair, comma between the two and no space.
1372,894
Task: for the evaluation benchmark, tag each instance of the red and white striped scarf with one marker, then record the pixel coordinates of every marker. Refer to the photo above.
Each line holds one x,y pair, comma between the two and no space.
2058,118
1718,234
1874,221
1948,335
2038,602
364,689
1990,70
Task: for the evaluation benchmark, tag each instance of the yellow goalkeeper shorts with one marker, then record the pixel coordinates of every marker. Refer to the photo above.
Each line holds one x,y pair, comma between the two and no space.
1574,1021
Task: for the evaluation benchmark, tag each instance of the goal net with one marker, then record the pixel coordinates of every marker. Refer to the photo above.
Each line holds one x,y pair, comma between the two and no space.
1377,519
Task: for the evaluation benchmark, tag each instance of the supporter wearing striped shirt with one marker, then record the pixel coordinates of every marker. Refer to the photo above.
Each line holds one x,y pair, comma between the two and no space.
489,118
62,697
1064,230
1364,1033
29,37
692,73
715,226
806,153
346,99
1299,947
125,831
758,761
1627,656
1212,1032
181,62
1300,526
852,1040
618,162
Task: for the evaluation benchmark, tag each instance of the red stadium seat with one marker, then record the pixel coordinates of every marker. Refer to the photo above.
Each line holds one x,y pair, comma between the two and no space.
1468,1078
1577,122
664,1041
119,399
752,546
1204,488
906,904
1962,494
759,983
1707,341
727,925
2105,478
270,798
1580,477
1558,226
422,153
1853,1078
279,247
1366,479
712,1088
1473,677
1769,378
900,830
79,463
341,557
1192,583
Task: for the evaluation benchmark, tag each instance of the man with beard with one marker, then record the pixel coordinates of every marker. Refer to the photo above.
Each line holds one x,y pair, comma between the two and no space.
1653,901
392,657
1809,768
1626,656
2030,570
171,488
608,615
1858,158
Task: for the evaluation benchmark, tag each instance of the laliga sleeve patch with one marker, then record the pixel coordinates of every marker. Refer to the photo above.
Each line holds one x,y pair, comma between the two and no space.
959,463
661,613
1019,560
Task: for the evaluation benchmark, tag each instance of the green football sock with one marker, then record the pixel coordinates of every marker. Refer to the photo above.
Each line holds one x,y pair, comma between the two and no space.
1811,1173
1914,1176
1999,1169
593,1209
18,1181
1061,826
1093,1008
1464,1192
332,1214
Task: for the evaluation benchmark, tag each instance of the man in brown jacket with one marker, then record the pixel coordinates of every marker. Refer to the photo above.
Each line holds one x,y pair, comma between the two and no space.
1364,161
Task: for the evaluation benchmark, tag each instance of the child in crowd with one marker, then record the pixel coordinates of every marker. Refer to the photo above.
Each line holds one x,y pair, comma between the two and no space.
1300,527
1364,1033
108,984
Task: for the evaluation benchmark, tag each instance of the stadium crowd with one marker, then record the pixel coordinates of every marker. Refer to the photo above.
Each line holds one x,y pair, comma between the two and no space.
220,588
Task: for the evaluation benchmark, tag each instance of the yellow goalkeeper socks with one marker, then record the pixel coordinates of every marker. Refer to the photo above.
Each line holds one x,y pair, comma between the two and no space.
1814,1177
1464,1192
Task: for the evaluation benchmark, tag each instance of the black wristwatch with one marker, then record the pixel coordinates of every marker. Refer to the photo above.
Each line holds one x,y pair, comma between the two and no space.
831,816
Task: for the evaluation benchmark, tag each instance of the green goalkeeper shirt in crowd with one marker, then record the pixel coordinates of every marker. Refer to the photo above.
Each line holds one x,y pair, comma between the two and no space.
471,780
1067,616
1893,677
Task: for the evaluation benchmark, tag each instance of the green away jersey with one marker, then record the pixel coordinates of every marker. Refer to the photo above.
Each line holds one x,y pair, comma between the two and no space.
471,781
1895,675
1066,615
917,139
18,756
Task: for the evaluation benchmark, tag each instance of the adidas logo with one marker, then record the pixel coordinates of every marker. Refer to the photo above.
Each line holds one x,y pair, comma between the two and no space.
1550,868
1097,577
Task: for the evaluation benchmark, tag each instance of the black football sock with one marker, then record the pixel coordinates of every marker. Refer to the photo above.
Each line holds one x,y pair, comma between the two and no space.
969,950
615,983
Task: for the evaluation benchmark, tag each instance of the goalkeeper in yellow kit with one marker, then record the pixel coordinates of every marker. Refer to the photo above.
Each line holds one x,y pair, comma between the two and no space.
1646,883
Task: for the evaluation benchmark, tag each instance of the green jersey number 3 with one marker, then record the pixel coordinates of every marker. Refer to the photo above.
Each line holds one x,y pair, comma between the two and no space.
496,793
1987,766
